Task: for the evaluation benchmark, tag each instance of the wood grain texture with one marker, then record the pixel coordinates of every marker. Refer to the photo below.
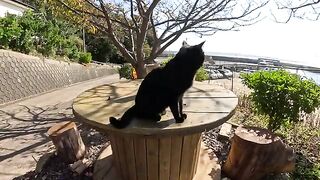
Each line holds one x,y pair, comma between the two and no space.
141,158
130,158
207,107
256,152
122,157
189,148
153,158
209,168
164,158
176,148
67,141
196,155
115,152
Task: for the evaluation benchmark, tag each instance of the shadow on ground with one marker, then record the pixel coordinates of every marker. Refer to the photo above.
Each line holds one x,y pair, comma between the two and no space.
23,140
18,125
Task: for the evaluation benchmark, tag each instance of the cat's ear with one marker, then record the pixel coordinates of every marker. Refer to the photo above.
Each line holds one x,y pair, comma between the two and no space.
185,44
201,44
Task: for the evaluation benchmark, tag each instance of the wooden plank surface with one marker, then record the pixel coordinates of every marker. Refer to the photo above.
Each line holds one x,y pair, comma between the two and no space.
164,158
196,143
130,157
141,157
186,158
115,152
153,158
207,106
121,146
176,147
209,168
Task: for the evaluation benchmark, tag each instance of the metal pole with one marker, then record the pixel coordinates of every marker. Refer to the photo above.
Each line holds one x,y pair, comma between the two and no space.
84,40
232,80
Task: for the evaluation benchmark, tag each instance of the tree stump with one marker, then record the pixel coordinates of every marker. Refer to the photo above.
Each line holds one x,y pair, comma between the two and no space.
67,140
256,152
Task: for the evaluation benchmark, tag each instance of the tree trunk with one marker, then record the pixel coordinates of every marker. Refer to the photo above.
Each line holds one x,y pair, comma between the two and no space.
256,152
140,69
67,140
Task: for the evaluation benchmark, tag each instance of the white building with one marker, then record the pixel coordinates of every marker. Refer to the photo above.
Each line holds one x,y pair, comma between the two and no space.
13,7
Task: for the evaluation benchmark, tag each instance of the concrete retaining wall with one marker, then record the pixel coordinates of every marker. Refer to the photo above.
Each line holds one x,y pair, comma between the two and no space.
23,75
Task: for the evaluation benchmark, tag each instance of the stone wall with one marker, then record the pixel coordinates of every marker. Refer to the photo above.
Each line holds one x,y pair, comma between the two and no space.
23,75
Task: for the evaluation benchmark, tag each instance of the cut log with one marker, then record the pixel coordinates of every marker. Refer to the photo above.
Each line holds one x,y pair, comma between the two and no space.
67,140
256,152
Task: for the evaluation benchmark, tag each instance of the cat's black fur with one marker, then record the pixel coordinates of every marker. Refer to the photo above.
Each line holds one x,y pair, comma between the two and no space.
164,87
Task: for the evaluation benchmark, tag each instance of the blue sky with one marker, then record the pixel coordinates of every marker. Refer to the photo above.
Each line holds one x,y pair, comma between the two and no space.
298,41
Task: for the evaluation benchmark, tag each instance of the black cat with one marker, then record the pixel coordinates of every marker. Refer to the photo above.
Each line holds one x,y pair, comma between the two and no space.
164,87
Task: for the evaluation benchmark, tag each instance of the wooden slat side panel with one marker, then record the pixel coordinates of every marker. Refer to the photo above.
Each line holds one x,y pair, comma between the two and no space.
153,158
141,160
175,159
130,157
122,157
115,153
188,150
196,142
164,158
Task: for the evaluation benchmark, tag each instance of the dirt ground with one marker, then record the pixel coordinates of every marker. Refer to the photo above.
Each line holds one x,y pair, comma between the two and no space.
23,126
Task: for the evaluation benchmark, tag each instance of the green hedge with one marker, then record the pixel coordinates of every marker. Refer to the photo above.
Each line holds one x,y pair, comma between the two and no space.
281,95
85,58
35,32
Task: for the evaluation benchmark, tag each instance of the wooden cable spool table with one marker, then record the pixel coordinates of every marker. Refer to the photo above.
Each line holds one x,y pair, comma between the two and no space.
154,150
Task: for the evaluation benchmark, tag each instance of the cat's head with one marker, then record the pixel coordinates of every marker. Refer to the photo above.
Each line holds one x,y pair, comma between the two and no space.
191,53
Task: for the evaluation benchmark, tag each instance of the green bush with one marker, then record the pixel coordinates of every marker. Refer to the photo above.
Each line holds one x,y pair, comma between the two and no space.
36,31
85,58
10,31
201,75
164,62
281,96
125,71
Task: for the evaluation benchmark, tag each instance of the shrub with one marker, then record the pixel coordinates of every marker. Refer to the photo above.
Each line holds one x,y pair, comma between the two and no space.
125,71
36,31
85,58
9,31
164,62
281,96
201,75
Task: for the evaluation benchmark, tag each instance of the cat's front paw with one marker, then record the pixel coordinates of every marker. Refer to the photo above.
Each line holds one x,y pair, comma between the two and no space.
184,116
180,120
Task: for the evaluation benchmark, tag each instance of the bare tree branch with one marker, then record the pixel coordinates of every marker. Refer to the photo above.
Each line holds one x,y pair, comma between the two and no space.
113,37
304,5
300,10
132,17
127,23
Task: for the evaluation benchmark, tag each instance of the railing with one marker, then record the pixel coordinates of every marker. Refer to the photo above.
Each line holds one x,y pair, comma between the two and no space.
108,64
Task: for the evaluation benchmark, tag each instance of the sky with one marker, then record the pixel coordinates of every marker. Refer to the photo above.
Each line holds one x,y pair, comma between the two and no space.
295,41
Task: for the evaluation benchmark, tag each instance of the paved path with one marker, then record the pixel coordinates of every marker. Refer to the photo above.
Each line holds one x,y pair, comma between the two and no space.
23,126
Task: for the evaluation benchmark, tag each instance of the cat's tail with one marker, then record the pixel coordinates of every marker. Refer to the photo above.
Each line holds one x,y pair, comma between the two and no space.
124,120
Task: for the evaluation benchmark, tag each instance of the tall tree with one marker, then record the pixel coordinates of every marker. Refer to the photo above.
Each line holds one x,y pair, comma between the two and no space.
307,9
165,20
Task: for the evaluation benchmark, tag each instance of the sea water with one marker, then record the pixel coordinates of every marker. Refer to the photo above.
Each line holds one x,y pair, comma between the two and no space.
310,75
